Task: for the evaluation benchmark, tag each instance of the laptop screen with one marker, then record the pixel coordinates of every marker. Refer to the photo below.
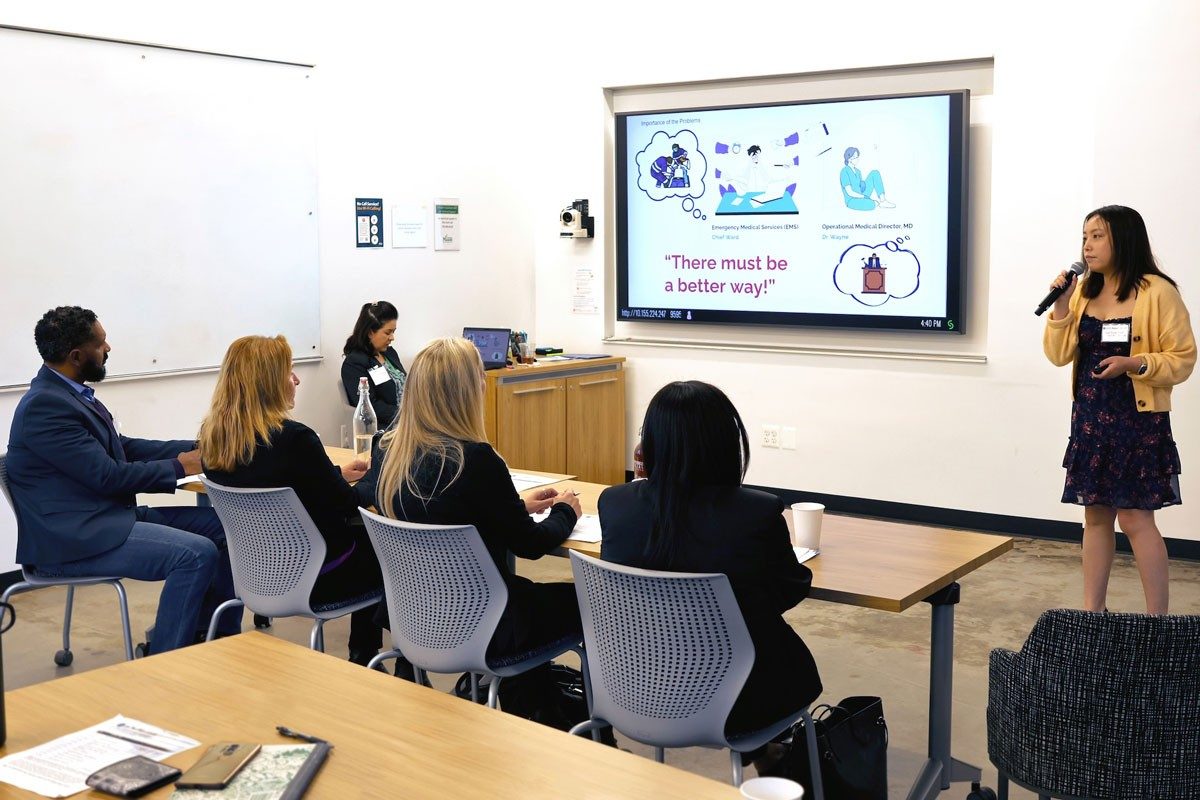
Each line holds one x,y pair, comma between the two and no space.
492,344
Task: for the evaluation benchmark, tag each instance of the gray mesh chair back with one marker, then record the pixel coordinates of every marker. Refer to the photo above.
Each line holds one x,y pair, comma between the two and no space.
1099,705
275,550
667,653
31,580
444,594
667,656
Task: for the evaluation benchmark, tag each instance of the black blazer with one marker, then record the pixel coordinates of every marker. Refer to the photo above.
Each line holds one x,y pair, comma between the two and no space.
74,479
295,457
385,398
739,532
484,496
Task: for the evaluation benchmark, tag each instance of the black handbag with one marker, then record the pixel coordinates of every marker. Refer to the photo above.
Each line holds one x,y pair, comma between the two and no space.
852,740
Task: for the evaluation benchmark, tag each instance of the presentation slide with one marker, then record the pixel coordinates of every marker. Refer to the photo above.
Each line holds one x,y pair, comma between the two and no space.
841,213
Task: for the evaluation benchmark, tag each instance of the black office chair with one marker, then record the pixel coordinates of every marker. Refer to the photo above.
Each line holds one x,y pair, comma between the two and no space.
1099,705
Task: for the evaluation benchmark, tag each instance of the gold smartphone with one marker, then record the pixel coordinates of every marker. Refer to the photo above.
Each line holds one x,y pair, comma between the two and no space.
217,766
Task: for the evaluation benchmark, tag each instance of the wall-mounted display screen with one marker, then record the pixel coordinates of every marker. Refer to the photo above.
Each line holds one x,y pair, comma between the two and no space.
846,213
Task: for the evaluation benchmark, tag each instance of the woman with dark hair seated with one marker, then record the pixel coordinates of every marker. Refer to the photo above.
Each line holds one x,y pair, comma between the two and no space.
369,354
692,514
250,441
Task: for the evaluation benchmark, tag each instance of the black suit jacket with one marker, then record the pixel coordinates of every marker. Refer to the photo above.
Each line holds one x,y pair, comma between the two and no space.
385,398
295,457
741,533
484,496
74,479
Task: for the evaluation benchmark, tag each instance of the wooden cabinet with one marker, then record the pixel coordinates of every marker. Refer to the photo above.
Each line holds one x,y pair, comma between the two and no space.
562,416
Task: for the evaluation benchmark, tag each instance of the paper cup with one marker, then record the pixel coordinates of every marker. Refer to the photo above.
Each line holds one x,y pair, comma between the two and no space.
806,525
772,789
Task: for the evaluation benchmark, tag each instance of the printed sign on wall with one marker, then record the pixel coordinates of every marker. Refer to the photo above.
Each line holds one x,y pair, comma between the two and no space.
369,214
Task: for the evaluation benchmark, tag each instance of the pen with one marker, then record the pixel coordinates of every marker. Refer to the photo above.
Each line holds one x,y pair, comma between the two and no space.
286,731
138,742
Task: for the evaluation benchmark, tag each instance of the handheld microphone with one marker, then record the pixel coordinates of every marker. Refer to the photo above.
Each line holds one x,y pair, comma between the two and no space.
1075,269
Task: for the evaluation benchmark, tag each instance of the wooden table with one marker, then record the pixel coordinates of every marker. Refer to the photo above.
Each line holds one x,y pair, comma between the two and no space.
340,456
391,738
890,566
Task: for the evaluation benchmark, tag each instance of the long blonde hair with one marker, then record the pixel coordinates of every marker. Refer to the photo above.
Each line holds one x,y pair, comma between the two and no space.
442,407
249,403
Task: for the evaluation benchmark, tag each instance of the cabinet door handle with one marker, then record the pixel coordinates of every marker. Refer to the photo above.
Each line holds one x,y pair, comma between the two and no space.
597,383
535,391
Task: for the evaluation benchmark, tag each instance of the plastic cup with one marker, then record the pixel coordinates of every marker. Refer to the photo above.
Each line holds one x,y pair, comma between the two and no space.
526,350
772,789
806,525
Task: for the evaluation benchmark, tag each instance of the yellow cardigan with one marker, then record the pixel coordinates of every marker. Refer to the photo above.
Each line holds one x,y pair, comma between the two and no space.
1162,334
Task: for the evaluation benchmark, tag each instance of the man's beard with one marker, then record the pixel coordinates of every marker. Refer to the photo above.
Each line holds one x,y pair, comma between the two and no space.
91,372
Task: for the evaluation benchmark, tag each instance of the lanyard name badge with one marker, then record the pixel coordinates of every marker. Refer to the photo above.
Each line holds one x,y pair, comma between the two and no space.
379,374
1115,332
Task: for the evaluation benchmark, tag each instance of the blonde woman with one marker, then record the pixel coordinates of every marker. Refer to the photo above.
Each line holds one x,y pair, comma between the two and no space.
438,468
251,442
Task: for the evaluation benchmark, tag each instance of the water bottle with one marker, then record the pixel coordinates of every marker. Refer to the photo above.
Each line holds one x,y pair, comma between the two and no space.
365,422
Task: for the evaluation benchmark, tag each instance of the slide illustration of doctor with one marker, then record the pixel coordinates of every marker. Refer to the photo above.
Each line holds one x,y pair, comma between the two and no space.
859,194
672,171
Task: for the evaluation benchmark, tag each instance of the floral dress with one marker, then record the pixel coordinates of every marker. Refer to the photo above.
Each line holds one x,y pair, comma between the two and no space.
1117,456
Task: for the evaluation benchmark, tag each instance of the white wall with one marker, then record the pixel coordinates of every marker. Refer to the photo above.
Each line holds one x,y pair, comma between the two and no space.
1093,104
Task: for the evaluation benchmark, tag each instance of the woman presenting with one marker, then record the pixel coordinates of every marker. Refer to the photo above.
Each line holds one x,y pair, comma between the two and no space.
369,355
1126,333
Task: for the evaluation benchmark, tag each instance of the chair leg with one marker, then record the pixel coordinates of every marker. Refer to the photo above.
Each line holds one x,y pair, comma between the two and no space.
494,692
375,662
67,619
814,758
16,588
474,687
660,755
1002,785
316,640
587,685
735,761
216,617
123,601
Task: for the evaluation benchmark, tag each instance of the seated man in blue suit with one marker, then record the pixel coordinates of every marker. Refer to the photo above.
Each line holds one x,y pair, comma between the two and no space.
74,478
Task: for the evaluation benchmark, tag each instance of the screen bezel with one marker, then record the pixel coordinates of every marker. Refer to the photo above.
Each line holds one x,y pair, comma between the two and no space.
958,133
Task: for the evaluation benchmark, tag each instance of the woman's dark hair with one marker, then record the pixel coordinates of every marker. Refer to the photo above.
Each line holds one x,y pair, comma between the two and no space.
61,330
1131,254
371,318
850,153
692,440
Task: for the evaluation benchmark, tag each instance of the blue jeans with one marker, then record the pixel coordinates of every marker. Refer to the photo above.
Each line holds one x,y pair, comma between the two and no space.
182,546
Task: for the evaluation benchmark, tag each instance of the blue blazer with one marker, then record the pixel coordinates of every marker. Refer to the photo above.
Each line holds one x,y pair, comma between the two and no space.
74,478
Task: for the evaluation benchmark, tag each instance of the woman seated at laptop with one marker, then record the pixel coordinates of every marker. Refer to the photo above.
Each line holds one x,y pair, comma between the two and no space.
692,514
250,442
369,354
439,469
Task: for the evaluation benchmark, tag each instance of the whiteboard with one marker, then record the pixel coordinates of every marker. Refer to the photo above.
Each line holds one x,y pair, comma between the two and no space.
172,192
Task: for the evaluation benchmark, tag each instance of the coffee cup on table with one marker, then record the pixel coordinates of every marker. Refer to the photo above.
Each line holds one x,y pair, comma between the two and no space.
806,525
772,789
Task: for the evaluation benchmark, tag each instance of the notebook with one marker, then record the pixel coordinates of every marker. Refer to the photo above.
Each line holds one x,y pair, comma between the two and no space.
492,344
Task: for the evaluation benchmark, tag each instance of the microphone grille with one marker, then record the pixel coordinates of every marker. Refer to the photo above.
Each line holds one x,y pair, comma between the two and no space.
1078,268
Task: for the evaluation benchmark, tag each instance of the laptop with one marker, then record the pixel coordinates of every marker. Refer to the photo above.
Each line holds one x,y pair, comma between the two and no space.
492,344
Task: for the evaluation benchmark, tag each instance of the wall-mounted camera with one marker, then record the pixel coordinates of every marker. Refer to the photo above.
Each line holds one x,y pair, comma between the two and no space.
575,223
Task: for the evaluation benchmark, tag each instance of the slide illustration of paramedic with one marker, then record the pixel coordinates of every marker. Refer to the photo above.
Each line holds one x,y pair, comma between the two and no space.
859,194
671,172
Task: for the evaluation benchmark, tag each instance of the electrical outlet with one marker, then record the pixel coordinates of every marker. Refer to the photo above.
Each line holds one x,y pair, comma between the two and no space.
346,436
787,437
770,436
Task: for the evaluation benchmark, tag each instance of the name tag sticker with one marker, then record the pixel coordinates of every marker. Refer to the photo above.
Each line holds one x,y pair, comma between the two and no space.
380,374
1115,332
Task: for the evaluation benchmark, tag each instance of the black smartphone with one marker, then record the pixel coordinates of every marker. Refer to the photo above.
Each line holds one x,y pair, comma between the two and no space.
217,766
